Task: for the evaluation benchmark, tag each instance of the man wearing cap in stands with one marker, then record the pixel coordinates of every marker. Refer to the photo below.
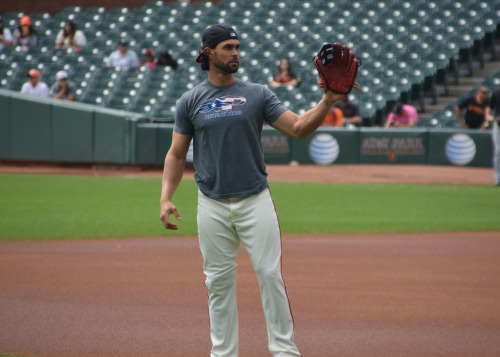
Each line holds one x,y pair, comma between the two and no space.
123,57
34,86
63,88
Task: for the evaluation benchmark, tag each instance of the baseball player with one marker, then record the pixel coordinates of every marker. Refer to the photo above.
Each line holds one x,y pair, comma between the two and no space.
224,117
493,119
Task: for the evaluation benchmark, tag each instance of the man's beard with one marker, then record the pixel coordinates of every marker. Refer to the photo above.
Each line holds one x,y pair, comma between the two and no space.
226,67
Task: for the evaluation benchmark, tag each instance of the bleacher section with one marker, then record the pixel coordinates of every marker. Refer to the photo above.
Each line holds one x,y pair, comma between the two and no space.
406,47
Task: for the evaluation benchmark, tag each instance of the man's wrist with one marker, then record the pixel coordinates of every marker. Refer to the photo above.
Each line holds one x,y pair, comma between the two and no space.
333,96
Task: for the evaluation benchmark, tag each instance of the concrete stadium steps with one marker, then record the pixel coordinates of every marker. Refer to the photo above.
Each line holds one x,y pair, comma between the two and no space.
465,84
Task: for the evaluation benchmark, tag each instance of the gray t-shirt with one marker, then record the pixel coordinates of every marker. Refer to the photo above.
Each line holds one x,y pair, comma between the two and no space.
226,124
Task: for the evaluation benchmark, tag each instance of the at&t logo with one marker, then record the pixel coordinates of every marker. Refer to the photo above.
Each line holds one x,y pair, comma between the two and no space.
324,149
460,149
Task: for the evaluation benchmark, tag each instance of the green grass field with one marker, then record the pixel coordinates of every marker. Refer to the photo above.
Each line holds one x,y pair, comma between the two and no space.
41,207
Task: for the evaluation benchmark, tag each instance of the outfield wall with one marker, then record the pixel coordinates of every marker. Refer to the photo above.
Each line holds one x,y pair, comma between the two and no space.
51,130
48,130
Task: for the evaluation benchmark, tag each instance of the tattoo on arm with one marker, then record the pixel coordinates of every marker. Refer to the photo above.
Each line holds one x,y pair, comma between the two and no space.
327,102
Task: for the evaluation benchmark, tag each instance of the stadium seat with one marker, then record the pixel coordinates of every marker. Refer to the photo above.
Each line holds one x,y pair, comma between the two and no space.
65,13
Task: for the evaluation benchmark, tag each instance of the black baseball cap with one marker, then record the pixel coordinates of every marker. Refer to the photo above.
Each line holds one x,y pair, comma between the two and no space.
214,35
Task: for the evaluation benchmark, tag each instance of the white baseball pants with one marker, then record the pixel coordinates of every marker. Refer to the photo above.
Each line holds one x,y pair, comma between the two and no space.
496,150
222,225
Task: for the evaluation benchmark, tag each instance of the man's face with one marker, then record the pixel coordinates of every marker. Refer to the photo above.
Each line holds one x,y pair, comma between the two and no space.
482,94
122,48
226,56
63,82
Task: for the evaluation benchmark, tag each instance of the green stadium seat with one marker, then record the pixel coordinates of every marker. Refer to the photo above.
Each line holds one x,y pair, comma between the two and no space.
65,13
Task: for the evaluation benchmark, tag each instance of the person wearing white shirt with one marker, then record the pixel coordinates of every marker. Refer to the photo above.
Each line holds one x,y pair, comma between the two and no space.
71,37
34,86
123,57
6,38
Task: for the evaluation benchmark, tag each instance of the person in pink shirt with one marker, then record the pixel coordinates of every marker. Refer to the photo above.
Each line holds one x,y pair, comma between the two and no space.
403,116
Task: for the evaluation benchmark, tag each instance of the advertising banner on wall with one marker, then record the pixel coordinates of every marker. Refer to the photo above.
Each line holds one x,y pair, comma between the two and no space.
393,146
461,148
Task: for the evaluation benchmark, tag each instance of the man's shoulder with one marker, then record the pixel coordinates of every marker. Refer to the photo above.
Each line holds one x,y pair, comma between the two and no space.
189,97
255,89
43,87
242,83
197,89
467,100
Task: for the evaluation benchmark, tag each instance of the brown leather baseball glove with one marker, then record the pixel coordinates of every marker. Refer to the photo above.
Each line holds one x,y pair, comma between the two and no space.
337,68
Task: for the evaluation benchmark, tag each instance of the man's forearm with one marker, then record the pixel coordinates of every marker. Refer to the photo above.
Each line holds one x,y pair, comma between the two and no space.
312,119
173,171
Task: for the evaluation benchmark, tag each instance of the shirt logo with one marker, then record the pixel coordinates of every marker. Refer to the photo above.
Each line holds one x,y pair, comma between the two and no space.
222,104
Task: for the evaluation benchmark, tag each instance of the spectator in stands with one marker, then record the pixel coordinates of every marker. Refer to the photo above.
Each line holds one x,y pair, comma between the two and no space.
475,109
493,118
123,57
6,38
402,116
63,88
25,35
284,76
148,59
352,118
334,117
165,59
34,86
70,37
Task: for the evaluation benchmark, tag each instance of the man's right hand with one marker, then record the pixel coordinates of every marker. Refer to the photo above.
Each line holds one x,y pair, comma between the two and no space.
166,209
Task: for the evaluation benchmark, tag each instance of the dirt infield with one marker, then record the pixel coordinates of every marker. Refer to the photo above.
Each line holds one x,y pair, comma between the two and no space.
361,295
412,174
352,295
